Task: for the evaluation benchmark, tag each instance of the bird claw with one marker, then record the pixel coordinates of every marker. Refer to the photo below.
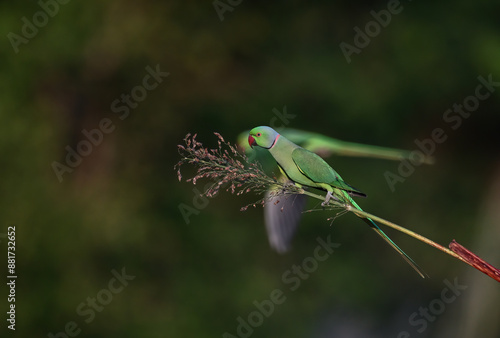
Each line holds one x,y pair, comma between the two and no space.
327,199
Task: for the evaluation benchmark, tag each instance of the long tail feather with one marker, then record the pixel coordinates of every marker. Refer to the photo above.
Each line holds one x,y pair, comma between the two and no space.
407,258
382,234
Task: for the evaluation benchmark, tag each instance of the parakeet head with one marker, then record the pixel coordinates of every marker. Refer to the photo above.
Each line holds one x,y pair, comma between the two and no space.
264,137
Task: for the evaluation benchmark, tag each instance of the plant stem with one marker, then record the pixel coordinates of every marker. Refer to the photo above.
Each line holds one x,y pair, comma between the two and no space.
413,234
463,254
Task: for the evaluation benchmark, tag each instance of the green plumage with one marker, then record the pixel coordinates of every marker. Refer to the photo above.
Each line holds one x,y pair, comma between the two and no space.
317,170
308,169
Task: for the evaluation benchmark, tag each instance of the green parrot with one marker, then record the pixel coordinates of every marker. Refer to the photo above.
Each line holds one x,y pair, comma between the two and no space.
306,168
282,215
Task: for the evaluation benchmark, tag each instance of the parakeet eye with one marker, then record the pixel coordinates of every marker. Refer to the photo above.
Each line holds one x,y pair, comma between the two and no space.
258,134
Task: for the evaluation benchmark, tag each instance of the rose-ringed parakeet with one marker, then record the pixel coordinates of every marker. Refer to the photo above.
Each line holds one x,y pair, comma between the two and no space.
306,168
282,215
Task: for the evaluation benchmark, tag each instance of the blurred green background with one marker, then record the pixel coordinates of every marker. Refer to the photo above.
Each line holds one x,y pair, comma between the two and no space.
119,208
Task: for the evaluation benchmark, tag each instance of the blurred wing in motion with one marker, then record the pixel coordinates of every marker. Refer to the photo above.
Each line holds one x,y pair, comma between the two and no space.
282,216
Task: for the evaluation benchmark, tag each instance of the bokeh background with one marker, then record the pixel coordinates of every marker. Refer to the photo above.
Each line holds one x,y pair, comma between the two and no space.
119,208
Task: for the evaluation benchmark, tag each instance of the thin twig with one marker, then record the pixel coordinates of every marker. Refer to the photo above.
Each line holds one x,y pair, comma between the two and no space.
458,251
364,214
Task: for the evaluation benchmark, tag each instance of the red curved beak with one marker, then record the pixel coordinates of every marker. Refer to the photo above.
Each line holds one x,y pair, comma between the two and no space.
251,141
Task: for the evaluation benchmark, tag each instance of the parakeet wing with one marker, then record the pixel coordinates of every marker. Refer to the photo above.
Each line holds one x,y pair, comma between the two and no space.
318,171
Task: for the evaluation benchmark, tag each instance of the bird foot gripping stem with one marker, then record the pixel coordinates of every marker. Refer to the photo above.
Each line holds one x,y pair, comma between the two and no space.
327,199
